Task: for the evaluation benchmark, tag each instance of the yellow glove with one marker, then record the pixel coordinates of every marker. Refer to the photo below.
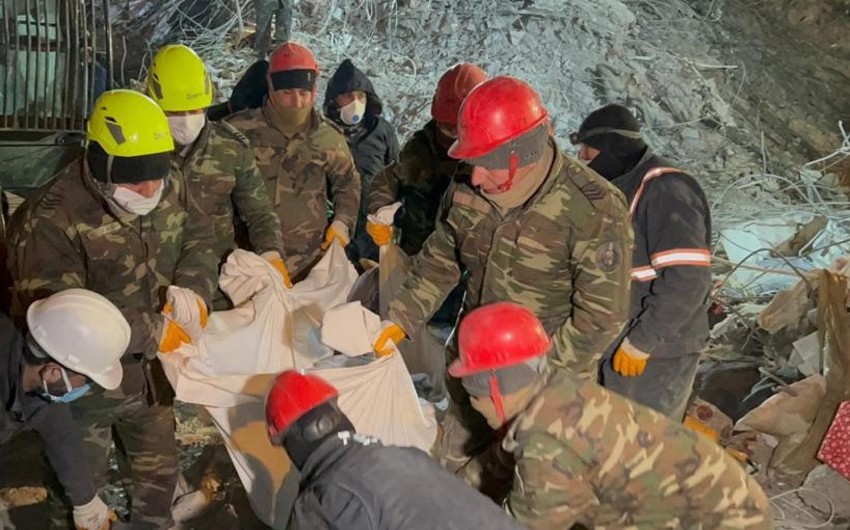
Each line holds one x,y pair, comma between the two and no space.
174,335
381,234
391,332
273,257
629,361
337,231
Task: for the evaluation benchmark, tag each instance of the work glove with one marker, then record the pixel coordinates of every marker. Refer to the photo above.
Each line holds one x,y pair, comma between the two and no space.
273,257
185,316
629,361
337,231
380,233
391,334
379,225
93,516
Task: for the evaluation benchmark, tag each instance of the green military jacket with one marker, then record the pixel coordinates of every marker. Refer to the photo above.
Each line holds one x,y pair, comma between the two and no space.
223,176
67,235
586,455
565,254
302,172
419,179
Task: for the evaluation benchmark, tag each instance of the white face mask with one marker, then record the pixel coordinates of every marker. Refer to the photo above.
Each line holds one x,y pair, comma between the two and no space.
352,114
136,203
186,129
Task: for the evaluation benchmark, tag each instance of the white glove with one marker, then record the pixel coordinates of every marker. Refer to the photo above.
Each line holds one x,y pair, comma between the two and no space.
92,516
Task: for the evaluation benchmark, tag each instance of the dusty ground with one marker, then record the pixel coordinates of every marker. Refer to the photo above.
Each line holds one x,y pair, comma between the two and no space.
734,90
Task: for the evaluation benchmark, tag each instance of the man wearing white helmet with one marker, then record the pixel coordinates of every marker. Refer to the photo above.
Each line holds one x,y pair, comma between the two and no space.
40,374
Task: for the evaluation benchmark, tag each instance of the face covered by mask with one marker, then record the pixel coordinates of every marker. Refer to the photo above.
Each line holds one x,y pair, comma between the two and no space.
71,394
186,129
136,203
352,114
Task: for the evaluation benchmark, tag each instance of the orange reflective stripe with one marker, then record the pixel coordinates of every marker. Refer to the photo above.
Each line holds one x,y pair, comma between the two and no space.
643,274
699,257
651,174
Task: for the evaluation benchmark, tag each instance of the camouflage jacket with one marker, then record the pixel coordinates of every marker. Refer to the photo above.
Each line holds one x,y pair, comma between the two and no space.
565,254
299,170
586,455
222,176
66,235
419,179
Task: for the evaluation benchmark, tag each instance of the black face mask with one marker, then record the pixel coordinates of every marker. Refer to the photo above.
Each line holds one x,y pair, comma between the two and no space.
312,429
609,167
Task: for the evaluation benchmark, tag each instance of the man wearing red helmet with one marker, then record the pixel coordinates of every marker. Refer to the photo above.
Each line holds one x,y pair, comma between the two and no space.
303,158
424,169
353,481
586,455
533,226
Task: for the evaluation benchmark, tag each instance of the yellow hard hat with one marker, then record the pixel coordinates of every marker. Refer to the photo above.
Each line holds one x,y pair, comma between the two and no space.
127,123
178,80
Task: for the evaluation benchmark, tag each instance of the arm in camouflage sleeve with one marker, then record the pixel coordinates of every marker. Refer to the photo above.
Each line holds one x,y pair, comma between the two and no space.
254,206
434,274
548,490
602,257
197,268
345,186
678,236
384,189
43,260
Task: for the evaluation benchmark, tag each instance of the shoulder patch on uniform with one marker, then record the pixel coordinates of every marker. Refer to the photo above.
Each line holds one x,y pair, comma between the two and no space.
609,255
233,132
593,191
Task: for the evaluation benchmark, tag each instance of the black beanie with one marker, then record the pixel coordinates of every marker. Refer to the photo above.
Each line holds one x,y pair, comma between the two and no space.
608,130
126,170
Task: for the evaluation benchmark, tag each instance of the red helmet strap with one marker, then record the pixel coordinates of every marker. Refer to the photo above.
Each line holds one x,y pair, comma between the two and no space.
513,165
496,396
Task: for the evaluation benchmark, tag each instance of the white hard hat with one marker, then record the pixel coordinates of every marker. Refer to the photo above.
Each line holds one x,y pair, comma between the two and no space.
82,331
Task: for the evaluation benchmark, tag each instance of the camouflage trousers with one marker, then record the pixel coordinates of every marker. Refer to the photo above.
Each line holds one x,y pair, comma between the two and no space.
665,385
145,445
279,11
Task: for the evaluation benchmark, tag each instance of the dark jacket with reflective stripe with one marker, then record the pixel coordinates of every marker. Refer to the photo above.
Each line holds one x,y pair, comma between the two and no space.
671,275
53,422
352,482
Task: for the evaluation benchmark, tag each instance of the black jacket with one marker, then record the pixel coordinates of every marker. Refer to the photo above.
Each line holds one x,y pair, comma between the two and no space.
352,482
53,422
373,142
671,275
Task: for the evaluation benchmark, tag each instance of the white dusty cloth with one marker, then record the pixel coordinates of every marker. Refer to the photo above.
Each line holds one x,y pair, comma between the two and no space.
350,329
91,516
385,215
185,311
272,329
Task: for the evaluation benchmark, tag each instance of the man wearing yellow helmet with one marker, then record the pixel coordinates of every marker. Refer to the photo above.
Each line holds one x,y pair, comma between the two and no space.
121,223
215,158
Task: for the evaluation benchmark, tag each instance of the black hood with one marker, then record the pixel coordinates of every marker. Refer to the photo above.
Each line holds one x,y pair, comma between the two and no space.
349,78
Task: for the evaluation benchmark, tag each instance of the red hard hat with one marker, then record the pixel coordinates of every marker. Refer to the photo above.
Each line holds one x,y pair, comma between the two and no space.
292,56
452,87
498,335
292,395
498,111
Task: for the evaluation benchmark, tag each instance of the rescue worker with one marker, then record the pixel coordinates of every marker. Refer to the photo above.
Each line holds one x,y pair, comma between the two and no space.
533,226
268,13
654,361
424,169
249,93
303,158
586,455
352,104
121,223
75,340
216,160
349,480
